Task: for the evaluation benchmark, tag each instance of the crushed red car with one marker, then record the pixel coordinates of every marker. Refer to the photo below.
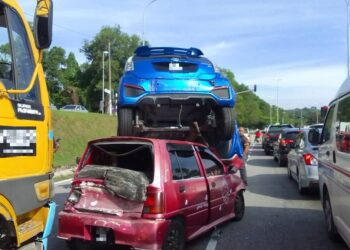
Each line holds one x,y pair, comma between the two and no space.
149,194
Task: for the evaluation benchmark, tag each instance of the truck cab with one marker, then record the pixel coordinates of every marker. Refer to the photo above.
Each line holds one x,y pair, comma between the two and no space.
26,135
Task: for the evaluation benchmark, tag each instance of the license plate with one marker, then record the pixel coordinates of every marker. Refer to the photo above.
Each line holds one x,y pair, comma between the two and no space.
175,67
101,234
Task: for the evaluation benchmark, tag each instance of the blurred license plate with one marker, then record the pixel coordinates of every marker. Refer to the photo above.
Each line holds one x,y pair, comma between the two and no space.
175,67
101,234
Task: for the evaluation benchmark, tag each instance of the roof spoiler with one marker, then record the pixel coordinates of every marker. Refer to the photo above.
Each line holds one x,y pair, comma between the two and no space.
145,51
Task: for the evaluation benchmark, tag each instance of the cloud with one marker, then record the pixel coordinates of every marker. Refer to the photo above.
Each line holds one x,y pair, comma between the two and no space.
297,84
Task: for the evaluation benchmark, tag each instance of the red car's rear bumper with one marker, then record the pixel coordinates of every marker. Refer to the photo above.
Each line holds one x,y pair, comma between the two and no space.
137,233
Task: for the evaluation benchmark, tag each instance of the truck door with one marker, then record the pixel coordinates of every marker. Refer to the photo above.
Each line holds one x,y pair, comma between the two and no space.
219,188
23,123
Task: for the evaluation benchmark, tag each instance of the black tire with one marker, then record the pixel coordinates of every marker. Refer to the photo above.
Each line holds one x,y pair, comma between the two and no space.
281,162
174,238
125,122
267,152
302,190
225,118
239,206
289,174
327,210
224,148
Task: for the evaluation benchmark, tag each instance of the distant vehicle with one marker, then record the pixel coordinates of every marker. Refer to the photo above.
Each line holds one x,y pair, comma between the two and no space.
53,106
77,108
334,167
302,160
167,89
180,191
272,133
318,126
282,146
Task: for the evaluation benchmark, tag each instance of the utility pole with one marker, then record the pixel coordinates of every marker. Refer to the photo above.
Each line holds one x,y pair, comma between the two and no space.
347,34
270,114
103,81
110,77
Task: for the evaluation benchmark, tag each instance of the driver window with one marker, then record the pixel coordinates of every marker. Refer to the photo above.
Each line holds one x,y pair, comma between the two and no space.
6,73
211,165
22,57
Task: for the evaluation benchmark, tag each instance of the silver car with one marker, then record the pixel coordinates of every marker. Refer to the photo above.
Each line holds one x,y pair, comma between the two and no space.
302,160
73,107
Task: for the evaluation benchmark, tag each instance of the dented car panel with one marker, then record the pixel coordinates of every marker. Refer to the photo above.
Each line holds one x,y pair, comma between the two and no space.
140,233
130,190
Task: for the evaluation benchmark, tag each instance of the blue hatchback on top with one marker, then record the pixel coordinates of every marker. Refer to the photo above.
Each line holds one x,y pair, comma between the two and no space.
167,89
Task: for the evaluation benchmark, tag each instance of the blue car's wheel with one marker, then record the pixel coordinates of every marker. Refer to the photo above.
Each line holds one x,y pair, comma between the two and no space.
226,123
125,122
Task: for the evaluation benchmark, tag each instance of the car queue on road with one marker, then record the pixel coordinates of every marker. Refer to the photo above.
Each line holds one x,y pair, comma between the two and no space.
318,158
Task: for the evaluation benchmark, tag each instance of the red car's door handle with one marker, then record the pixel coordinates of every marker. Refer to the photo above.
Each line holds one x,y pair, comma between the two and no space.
213,184
182,189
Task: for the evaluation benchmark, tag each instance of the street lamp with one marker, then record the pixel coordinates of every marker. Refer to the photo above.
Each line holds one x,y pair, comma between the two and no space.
110,77
277,114
102,107
143,21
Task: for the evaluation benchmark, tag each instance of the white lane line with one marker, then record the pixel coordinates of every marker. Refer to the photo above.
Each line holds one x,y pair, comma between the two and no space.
212,243
59,183
214,239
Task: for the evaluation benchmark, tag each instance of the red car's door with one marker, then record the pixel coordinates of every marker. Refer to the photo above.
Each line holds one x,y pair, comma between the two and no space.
189,185
220,203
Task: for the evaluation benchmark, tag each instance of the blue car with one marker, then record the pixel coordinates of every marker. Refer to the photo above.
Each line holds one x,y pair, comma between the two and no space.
167,89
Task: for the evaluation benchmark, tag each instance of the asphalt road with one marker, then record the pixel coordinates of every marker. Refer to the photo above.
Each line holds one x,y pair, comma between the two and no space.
277,216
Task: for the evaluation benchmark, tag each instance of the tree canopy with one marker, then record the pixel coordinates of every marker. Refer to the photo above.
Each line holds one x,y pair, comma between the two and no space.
71,83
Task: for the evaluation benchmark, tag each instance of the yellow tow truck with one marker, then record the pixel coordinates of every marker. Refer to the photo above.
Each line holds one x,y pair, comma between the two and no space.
26,136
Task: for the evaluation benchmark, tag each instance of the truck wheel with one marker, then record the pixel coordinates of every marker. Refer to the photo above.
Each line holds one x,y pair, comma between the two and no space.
125,122
174,238
327,209
239,206
225,118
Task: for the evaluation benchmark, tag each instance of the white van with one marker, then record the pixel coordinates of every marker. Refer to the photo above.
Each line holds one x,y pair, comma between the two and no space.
334,165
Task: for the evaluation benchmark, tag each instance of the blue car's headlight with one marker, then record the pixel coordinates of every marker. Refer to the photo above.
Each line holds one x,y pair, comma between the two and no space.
222,92
131,90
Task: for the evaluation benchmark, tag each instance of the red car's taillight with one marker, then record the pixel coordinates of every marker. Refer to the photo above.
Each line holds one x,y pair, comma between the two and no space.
310,159
285,142
154,203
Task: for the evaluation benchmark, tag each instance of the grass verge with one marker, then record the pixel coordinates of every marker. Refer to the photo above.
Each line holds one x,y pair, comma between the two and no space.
75,129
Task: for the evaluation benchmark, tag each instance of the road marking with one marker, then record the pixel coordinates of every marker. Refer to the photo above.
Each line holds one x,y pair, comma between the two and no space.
60,183
214,239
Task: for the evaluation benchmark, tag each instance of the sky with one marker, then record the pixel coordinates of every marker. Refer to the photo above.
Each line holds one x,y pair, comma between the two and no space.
294,51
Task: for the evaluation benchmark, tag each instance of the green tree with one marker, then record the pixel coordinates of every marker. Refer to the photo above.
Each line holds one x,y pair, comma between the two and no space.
61,76
122,47
250,109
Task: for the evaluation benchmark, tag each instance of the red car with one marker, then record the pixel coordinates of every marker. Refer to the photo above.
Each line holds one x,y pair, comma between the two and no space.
148,194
